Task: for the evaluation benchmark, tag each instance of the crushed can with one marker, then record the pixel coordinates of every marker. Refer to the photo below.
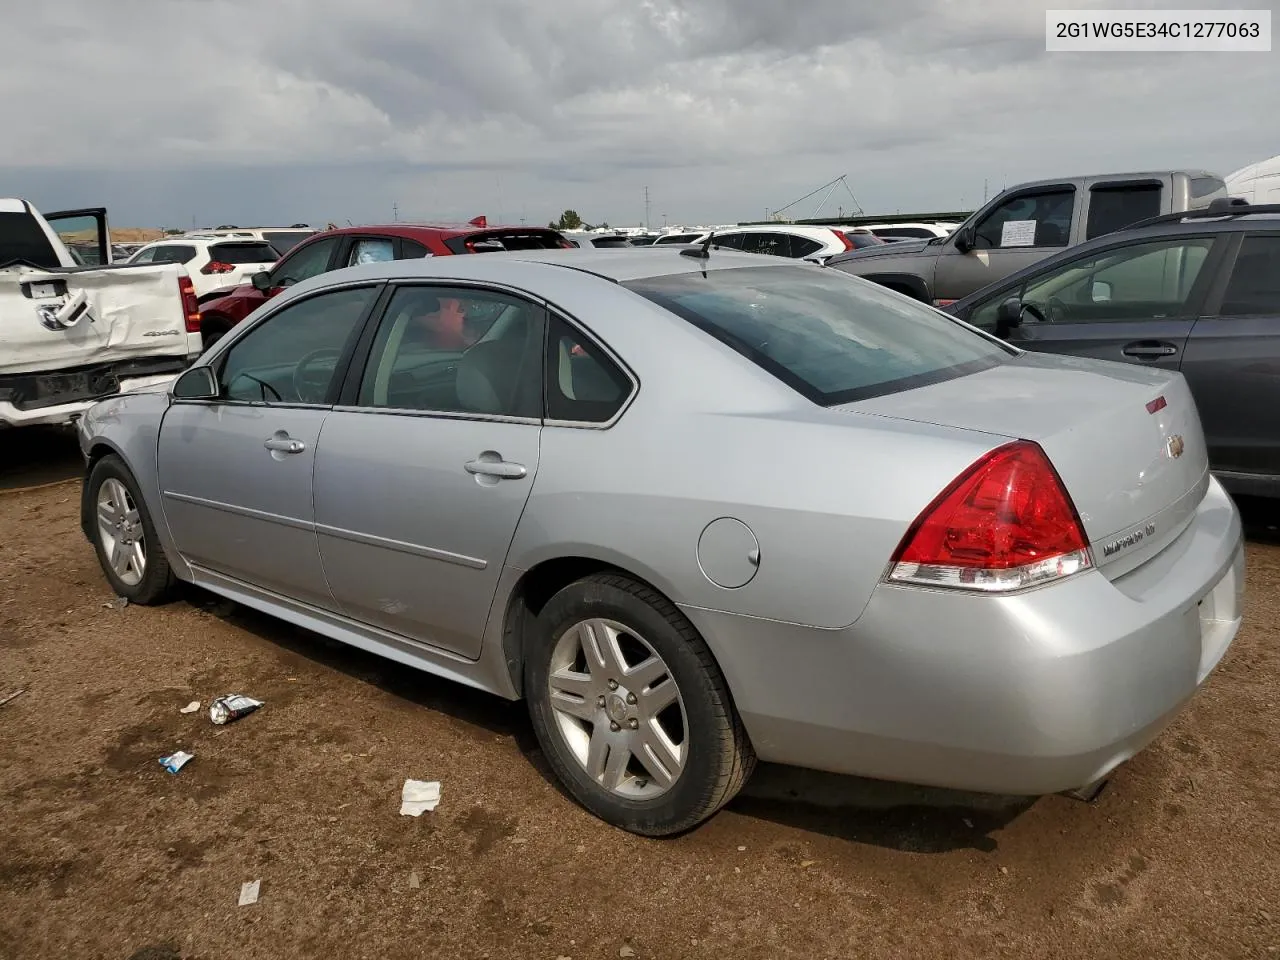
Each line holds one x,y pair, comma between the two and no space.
232,707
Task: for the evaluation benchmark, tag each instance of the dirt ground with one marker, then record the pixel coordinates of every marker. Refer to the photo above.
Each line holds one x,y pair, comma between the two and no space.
104,854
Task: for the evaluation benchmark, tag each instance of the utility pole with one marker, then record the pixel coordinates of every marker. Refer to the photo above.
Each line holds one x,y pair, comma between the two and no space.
395,212
984,190
646,208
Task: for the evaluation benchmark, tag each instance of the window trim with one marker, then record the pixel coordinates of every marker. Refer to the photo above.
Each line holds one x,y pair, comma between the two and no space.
217,360
338,246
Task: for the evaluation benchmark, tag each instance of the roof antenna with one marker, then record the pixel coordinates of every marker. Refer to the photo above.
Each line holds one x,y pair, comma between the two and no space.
702,251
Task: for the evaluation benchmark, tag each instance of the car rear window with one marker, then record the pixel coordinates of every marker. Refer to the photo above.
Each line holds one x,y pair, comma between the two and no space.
285,240
22,239
611,242
497,240
243,252
831,337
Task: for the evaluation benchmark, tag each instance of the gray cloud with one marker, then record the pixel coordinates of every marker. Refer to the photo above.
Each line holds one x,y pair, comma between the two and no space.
238,110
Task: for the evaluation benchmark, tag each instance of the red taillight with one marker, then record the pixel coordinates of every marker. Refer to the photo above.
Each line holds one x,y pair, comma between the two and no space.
840,235
190,305
1005,523
217,266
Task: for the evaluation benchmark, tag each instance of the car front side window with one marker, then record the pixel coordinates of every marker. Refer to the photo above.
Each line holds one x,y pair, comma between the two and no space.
292,356
1028,220
307,261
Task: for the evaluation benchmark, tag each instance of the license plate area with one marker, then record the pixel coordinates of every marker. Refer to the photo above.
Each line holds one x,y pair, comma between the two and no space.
50,390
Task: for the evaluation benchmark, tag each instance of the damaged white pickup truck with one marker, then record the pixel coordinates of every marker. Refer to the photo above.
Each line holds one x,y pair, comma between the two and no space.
75,327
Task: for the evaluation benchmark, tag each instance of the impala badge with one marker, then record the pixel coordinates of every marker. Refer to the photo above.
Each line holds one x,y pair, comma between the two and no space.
1175,446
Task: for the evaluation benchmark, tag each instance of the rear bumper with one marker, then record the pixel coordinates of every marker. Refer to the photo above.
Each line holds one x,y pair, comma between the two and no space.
1030,694
26,415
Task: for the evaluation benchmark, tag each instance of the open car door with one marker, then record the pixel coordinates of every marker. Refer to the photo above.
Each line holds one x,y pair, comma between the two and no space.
85,233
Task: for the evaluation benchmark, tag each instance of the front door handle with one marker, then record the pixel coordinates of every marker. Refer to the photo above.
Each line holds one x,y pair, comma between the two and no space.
1149,349
284,445
485,466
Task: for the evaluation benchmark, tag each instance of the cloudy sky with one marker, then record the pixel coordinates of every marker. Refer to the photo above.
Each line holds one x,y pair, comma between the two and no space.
255,111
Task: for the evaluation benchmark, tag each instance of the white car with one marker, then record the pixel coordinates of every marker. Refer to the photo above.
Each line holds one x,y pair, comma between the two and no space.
213,262
283,239
587,240
893,232
799,242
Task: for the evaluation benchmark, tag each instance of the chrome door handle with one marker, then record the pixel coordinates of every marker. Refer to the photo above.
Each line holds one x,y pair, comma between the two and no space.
284,445
499,469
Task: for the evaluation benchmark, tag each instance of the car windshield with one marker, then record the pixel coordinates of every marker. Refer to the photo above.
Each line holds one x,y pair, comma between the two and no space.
833,338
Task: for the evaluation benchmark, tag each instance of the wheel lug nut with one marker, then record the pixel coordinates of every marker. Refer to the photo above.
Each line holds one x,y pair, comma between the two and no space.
634,724
613,684
614,726
600,700
631,698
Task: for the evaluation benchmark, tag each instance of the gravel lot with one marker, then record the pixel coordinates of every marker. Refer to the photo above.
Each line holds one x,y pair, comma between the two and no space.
104,854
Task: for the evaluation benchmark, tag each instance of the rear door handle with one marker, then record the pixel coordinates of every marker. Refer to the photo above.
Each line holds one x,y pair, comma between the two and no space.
284,445
1149,349
498,469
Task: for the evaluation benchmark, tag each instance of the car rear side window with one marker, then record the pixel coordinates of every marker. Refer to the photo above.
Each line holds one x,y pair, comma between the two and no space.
174,253
1254,287
583,384
1114,207
804,246
243,252
832,338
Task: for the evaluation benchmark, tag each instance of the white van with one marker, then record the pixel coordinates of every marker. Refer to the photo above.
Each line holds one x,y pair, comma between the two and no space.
1257,183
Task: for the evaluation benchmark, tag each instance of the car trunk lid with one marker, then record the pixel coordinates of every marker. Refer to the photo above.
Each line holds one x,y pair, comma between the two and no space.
1126,441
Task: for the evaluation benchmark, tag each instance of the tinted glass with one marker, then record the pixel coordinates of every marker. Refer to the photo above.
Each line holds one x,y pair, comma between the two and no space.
497,240
304,263
1143,281
1202,187
1111,208
412,250
901,232
832,338
678,238
22,239
291,357
860,240
774,244
611,242
583,384
1254,288
456,350
804,246
732,241
285,240
174,253
243,253
1028,220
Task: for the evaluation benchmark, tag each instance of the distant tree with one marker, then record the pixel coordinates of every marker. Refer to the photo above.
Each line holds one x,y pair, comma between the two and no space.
569,220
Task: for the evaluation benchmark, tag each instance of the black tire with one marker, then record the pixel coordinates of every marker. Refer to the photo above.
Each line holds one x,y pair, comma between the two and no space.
719,758
212,330
157,583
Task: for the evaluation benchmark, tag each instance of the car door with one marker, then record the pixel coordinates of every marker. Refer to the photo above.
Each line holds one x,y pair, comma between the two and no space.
236,472
84,231
1232,361
1019,230
425,467
1134,302
309,259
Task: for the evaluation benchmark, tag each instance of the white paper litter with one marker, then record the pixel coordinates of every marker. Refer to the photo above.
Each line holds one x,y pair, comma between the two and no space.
418,796
191,707
415,881
249,893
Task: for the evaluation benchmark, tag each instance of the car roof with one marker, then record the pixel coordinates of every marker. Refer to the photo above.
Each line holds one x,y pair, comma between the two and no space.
412,230
1107,178
617,265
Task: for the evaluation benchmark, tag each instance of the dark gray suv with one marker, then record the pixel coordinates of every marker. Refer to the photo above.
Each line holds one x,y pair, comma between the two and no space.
1198,293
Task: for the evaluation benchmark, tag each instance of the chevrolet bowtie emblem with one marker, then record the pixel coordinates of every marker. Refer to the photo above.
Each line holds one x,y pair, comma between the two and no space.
1175,446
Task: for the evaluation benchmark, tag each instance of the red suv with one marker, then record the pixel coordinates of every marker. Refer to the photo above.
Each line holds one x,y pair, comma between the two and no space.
348,246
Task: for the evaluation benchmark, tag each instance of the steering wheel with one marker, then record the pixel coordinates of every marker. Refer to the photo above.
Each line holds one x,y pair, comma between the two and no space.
312,385
1036,312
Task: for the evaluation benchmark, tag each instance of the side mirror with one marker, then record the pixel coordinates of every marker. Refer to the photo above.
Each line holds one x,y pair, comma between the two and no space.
964,238
262,281
197,383
1100,292
1008,316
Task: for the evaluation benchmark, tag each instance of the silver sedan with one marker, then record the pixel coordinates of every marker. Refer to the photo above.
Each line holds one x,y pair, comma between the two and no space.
696,507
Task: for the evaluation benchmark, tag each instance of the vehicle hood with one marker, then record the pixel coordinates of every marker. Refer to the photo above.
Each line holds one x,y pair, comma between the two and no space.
884,250
1103,426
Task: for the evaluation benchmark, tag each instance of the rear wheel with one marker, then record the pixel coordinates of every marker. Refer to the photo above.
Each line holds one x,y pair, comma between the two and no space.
125,537
213,329
630,708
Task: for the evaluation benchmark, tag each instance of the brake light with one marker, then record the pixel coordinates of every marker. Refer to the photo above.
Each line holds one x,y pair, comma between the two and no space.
217,266
190,304
840,235
480,221
1005,523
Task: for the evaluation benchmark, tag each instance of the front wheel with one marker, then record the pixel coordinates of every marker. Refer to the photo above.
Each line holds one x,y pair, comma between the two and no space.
125,537
630,708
